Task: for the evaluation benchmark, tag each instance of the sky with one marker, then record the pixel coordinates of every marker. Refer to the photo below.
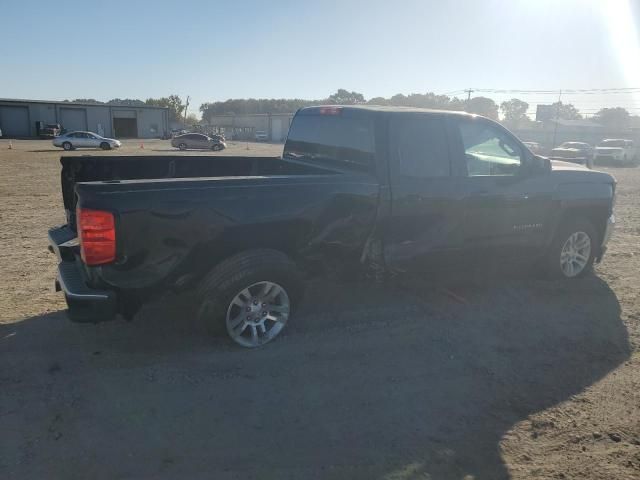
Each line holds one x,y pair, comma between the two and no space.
213,50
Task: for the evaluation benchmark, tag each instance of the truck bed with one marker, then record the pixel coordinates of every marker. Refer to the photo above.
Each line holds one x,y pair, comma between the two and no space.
92,168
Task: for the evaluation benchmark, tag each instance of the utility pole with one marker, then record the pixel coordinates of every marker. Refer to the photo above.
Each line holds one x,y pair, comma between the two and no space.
555,129
469,92
186,107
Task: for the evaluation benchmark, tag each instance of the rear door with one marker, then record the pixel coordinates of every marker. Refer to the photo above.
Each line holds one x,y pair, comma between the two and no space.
427,216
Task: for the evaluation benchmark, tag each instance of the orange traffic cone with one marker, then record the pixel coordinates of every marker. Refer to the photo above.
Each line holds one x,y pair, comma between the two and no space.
10,145
142,145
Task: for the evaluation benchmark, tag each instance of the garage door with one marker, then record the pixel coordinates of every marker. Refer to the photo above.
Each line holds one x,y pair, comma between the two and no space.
125,124
125,127
73,119
14,121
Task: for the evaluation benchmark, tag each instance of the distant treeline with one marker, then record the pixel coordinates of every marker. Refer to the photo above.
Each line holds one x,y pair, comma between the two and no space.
342,97
515,112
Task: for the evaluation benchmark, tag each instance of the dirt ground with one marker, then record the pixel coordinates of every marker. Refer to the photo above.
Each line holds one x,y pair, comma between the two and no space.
513,378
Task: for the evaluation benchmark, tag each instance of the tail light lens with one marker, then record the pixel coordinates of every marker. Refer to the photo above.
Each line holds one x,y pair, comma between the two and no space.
97,232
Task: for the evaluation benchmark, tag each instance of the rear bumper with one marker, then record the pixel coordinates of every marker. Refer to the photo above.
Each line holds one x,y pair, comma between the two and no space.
85,304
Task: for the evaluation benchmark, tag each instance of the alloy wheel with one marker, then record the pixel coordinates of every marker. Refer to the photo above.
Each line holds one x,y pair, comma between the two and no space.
575,254
257,314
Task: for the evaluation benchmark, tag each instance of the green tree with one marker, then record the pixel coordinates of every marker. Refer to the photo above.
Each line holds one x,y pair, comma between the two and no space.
565,111
378,101
173,102
253,105
344,97
192,119
616,118
87,100
482,106
514,112
130,102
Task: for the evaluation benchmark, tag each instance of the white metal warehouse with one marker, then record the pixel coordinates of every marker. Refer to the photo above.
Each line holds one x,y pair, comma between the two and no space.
245,126
22,118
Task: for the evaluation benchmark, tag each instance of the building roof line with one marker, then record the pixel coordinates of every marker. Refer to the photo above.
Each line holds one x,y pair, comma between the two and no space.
85,104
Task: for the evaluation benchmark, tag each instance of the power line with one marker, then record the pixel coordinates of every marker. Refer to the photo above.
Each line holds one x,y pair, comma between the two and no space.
590,91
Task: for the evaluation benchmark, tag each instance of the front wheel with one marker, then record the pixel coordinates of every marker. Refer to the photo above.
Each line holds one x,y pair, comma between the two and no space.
251,296
182,146
105,146
67,146
573,250
216,148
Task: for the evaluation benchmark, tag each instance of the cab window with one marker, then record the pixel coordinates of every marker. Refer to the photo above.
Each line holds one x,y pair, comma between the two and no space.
419,146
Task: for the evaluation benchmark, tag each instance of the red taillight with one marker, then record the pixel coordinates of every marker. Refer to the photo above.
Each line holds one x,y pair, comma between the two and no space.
330,110
97,233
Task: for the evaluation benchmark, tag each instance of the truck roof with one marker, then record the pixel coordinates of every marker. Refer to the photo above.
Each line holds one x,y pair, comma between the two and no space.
385,109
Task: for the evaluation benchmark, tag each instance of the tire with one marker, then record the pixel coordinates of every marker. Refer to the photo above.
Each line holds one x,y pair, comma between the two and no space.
250,271
105,146
67,146
182,146
216,148
563,249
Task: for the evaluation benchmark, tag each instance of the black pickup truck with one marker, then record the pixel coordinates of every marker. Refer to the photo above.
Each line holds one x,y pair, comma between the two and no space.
377,189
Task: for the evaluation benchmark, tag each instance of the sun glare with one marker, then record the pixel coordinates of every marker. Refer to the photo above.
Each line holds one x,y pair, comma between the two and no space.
623,32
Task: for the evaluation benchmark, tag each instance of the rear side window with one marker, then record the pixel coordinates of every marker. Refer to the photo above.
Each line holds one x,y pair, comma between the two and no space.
332,139
419,146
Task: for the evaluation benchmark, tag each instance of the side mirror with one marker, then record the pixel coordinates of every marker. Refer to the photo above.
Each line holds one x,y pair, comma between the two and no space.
540,165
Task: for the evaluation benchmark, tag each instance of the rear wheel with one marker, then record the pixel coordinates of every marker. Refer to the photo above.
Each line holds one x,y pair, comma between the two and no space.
182,146
573,250
250,296
105,146
67,146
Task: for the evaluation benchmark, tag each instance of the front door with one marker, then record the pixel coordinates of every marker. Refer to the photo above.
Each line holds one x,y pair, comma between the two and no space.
82,140
507,205
92,140
201,141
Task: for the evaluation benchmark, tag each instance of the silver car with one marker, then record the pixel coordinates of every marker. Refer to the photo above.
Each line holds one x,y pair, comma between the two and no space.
73,140
198,141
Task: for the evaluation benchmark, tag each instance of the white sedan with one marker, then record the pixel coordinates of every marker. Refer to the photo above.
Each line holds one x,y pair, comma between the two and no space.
73,140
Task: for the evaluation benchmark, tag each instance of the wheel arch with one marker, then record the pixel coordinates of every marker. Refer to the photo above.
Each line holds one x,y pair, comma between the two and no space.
596,215
206,257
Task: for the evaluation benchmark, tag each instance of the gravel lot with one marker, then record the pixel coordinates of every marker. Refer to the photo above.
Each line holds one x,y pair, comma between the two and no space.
490,379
